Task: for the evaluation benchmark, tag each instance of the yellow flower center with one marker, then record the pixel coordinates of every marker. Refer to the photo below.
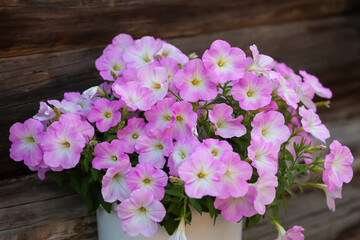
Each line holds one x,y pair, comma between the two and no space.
135,136
107,114
195,81
146,180
114,158
201,175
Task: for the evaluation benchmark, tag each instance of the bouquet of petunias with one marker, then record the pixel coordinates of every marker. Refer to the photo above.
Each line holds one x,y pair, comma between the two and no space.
165,133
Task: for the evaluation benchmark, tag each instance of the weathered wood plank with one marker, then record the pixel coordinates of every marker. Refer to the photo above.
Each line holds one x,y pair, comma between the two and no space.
38,26
329,47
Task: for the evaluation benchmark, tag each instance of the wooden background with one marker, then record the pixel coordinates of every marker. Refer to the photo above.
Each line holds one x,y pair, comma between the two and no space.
49,47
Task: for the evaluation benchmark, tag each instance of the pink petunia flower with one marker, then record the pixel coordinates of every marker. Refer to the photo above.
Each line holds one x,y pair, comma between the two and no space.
202,175
114,185
266,188
120,42
170,51
183,120
135,95
330,197
194,82
270,126
134,129
234,209
306,94
153,147
80,126
252,92
216,147
145,176
179,233
65,106
294,233
262,64
234,180
226,125
76,98
286,91
263,155
105,113
45,113
111,64
62,145
314,82
140,213
142,52
26,138
312,124
107,155
159,116
224,62
337,166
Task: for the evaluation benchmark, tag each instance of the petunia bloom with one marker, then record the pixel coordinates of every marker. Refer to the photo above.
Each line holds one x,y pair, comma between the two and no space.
314,82
337,166
134,129
121,42
224,62
26,138
194,82
252,92
140,213
226,125
312,124
202,175
45,113
159,116
294,233
111,64
262,64
179,233
216,147
81,126
107,155
114,185
145,176
286,91
266,188
183,120
105,113
170,51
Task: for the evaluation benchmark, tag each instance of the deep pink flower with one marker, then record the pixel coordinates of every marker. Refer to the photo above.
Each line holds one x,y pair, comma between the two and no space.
234,209
216,147
107,155
170,51
114,186
226,125
45,113
202,174
316,85
142,52
26,138
337,166
194,82
312,124
153,147
159,116
224,62
262,64
252,92
270,126
237,173
183,120
105,113
145,176
134,129
140,213
111,64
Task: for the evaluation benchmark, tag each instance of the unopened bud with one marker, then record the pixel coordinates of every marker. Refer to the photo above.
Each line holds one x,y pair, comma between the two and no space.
93,143
193,55
175,179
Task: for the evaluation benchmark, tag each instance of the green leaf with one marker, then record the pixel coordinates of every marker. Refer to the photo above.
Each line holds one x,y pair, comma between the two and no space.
173,192
84,187
59,180
210,205
195,204
252,221
75,184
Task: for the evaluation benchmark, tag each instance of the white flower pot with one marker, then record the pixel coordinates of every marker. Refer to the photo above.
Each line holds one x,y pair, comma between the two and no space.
109,228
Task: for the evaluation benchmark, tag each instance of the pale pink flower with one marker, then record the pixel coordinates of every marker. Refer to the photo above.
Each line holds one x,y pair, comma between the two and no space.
154,78
234,209
223,62
316,85
216,147
202,175
337,166
108,154
286,91
312,124
120,43
26,138
91,93
181,153
114,185
81,126
45,113
306,94
145,176
140,213
153,147
40,171
226,125
179,233
135,95
170,51
65,106
183,120
111,64
159,116
266,188
76,98
271,127
288,74
142,52
330,197
134,129
252,92
105,113
294,233
262,64
263,155
237,173
62,145
194,82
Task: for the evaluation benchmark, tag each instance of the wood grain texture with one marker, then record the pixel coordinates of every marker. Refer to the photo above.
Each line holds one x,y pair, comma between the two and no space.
329,48
47,212
38,26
